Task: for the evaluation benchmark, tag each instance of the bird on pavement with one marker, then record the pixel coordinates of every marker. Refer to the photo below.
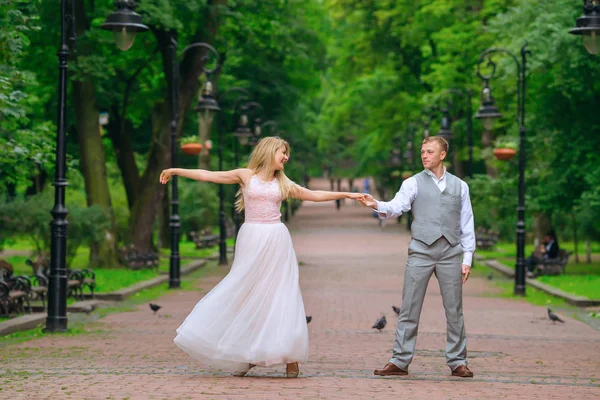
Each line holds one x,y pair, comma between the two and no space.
380,323
490,276
308,319
396,310
155,307
554,317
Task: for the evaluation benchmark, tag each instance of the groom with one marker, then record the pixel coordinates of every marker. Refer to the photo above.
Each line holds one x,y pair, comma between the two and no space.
443,242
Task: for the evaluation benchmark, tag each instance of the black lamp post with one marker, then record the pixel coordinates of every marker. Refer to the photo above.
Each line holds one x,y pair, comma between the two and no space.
588,26
428,113
125,23
207,106
243,133
445,126
488,113
56,320
257,132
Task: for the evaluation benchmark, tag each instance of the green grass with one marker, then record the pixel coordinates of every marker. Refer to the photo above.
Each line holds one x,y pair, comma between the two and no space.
111,279
582,285
509,249
87,324
534,296
580,279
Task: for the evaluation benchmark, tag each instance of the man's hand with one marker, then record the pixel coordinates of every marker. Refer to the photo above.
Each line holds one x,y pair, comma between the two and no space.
466,271
368,201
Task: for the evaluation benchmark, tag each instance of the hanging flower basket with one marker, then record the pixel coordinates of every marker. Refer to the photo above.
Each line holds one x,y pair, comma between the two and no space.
504,153
191,148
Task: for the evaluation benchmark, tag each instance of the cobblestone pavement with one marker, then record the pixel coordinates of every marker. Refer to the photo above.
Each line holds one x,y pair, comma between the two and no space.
351,272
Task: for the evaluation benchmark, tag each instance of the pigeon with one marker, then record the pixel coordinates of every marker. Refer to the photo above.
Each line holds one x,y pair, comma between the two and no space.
154,307
380,323
554,317
490,276
308,319
396,310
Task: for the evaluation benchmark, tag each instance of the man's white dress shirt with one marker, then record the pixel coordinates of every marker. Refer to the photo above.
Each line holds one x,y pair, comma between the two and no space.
402,202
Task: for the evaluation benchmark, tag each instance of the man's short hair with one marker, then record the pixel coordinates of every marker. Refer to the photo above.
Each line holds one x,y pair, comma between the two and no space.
437,139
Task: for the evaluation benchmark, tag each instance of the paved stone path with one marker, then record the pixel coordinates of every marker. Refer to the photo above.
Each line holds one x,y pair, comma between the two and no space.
351,272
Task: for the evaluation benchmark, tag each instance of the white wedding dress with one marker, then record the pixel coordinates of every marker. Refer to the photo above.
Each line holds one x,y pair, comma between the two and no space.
255,315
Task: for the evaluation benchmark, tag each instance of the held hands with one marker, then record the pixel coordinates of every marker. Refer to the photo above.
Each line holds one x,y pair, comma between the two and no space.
166,175
367,200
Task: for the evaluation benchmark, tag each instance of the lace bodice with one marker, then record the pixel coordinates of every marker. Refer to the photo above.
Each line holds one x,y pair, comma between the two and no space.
262,201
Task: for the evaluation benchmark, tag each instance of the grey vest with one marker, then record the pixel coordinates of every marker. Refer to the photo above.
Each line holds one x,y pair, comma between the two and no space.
436,213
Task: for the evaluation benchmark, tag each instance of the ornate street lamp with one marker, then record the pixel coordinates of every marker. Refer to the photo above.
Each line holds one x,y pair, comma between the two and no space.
206,108
445,130
125,23
211,108
428,113
243,132
257,132
445,126
56,320
490,113
588,26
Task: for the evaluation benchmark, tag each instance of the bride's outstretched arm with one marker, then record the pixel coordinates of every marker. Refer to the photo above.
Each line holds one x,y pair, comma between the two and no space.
235,176
321,195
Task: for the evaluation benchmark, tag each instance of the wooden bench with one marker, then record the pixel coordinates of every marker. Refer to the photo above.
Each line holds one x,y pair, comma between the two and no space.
15,291
486,239
136,259
77,279
553,266
204,240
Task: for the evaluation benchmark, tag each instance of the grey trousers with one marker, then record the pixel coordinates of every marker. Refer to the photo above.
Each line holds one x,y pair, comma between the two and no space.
423,261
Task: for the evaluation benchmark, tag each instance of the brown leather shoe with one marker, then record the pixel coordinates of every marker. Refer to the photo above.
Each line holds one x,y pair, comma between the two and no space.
292,370
390,369
463,371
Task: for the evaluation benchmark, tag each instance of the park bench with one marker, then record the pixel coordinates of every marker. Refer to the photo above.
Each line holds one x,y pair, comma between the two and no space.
486,239
136,259
204,240
77,279
15,291
553,266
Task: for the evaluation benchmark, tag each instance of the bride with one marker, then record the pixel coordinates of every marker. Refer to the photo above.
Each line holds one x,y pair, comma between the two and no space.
255,315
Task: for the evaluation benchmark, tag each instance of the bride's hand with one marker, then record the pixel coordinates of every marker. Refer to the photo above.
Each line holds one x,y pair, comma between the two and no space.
354,196
166,175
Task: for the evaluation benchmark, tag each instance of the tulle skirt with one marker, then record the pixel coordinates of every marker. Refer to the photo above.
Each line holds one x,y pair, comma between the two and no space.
255,315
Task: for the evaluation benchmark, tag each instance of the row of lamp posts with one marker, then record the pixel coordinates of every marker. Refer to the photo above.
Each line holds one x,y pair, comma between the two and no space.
125,23
588,26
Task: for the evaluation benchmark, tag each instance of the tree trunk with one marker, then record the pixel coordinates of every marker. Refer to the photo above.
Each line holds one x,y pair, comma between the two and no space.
118,134
150,193
93,160
588,251
542,225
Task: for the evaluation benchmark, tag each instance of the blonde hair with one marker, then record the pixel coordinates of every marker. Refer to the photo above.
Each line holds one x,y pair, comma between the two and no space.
261,159
439,140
